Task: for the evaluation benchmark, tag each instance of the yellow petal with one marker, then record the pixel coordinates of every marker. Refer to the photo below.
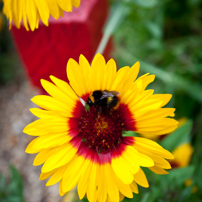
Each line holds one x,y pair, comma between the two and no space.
141,179
164,97
57,93
134,187
97,73
65,5
40,113
120,79
15,14
76,3
72,173
30,129
91,190
85,68
44,154
121,171
65,88
62,157
112,188
158,161
142,97
121,196
49,103
44,176
158,131
20,10
110,75
31,13
84,179
155,114
48,141
134,70
29,147
43,11
130,162
158,170
150,123
62,193
140,158
24,16
53,8
128,80
142,107
144,144
102,188
123,188
45,126
57,176
146,80
76,78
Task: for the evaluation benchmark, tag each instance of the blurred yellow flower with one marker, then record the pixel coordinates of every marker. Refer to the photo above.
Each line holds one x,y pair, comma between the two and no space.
30,11
182,155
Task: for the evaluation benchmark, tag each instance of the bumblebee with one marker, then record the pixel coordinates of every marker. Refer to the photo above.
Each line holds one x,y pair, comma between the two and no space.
104,98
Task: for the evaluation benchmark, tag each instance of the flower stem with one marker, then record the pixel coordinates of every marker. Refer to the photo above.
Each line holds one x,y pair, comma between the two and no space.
114,20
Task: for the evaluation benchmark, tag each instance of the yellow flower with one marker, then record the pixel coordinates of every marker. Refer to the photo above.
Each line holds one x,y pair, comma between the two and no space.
80,133
29,11
182,155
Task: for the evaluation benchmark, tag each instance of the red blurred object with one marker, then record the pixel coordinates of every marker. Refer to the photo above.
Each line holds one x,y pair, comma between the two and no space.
46,51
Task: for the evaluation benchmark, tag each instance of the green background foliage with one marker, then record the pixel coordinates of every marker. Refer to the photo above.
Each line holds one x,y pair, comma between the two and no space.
11,190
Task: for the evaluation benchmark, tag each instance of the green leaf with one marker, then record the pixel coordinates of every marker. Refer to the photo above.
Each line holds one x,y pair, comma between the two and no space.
14,199
2,182
199,176
118,13
16,185
154,29
136,197
85,200
180,175
129,134
179,136
87,107
146,197
13,190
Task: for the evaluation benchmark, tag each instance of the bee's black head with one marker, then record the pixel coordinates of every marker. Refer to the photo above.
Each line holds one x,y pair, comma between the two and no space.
97,95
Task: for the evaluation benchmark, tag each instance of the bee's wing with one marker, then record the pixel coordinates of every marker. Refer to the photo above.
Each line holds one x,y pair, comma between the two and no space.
106,94
115,93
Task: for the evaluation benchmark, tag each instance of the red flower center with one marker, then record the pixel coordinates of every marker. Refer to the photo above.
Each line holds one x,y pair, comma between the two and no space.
97,134
101,130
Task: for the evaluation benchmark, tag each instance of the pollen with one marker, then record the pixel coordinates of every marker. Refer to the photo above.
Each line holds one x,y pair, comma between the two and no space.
101,125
